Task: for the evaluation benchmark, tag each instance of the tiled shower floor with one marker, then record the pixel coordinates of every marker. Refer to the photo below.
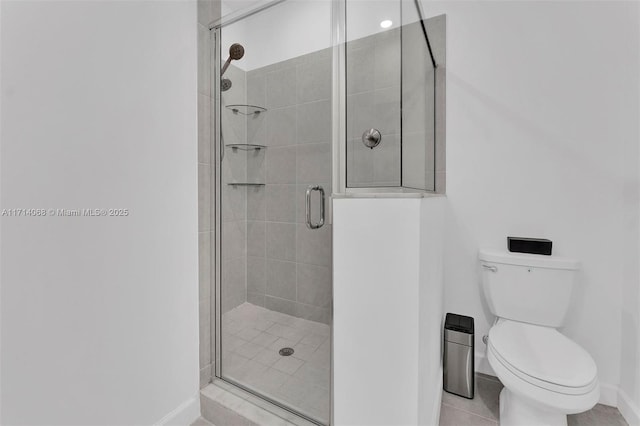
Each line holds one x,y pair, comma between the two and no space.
251,339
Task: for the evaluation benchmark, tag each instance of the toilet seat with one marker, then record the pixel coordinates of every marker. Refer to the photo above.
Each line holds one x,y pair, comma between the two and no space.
543,357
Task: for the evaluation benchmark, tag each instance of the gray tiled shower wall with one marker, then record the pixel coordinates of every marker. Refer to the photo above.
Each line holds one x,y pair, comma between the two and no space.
269,257
289,265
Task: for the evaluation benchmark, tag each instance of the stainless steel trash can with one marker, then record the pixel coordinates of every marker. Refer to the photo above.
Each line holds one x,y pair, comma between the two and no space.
459,355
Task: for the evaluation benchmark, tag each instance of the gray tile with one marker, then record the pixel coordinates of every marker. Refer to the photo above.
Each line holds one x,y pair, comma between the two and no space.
280,305
205,376
600,415
205,345
360,76
204,61
281,88
314,285
234,278
486,400
256,125
204,129
234,237
201,422
313,163
417,107
318,55
450,416
204,197
386,161
281,241
314,80
281,279
204,265
314,245
314,122
255,298
294,391
318,376
248,350
256,88
281,206
256,203
281,165
256,238
360,114
256,276
280,127
359,164
387,110
387,59
232,301
265,340
219,414
414,160
313,313
288,364
204,313
234,203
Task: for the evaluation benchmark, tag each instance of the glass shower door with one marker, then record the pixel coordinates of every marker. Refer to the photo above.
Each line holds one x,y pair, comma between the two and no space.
274,249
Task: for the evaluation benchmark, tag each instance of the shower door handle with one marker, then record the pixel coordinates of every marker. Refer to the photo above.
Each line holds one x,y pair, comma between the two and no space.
310,189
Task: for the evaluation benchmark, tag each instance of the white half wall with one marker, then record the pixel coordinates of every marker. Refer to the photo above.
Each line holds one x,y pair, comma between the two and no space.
387,266
99,315
542,134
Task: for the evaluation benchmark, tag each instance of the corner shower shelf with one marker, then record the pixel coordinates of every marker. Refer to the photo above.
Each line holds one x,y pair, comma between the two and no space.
246,109
245,184
245,146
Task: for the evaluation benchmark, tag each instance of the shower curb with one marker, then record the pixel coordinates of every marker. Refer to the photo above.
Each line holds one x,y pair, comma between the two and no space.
222,404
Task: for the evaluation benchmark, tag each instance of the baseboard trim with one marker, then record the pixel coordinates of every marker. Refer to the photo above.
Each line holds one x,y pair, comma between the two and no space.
629,410
608,393
184,415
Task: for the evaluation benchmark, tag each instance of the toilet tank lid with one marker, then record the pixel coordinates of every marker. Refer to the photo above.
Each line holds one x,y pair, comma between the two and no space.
522,259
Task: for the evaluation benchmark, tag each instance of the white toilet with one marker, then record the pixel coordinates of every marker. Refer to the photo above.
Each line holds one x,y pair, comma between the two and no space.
546,375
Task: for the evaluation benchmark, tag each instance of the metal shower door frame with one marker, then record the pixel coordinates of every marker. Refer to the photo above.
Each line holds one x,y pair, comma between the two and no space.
338,122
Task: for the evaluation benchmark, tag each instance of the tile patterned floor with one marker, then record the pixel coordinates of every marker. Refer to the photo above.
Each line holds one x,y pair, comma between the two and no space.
251,339
484,409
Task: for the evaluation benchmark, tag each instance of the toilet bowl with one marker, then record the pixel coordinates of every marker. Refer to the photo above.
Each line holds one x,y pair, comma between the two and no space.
545,374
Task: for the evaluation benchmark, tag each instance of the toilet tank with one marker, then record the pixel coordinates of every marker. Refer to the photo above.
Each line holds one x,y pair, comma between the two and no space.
526,287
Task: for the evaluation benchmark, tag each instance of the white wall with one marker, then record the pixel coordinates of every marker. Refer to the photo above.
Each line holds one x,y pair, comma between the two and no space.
387,280
542,109
430,315
99,315
629,396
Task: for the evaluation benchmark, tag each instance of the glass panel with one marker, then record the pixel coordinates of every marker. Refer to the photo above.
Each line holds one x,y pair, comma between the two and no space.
275,137
390,82
373,63
418,114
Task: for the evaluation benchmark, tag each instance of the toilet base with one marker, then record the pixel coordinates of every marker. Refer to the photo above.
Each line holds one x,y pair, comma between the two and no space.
518,411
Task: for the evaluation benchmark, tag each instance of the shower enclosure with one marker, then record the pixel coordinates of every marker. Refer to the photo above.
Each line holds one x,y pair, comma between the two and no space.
311,99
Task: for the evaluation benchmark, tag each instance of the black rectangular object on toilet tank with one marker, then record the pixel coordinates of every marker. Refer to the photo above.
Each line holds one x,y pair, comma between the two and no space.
529,245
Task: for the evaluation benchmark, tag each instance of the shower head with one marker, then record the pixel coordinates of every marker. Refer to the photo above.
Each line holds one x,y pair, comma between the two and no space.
236,51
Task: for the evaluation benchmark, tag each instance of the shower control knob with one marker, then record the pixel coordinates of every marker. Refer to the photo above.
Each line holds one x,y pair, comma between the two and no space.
371,138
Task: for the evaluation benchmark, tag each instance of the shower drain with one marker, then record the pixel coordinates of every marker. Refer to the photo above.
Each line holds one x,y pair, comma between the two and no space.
286,351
